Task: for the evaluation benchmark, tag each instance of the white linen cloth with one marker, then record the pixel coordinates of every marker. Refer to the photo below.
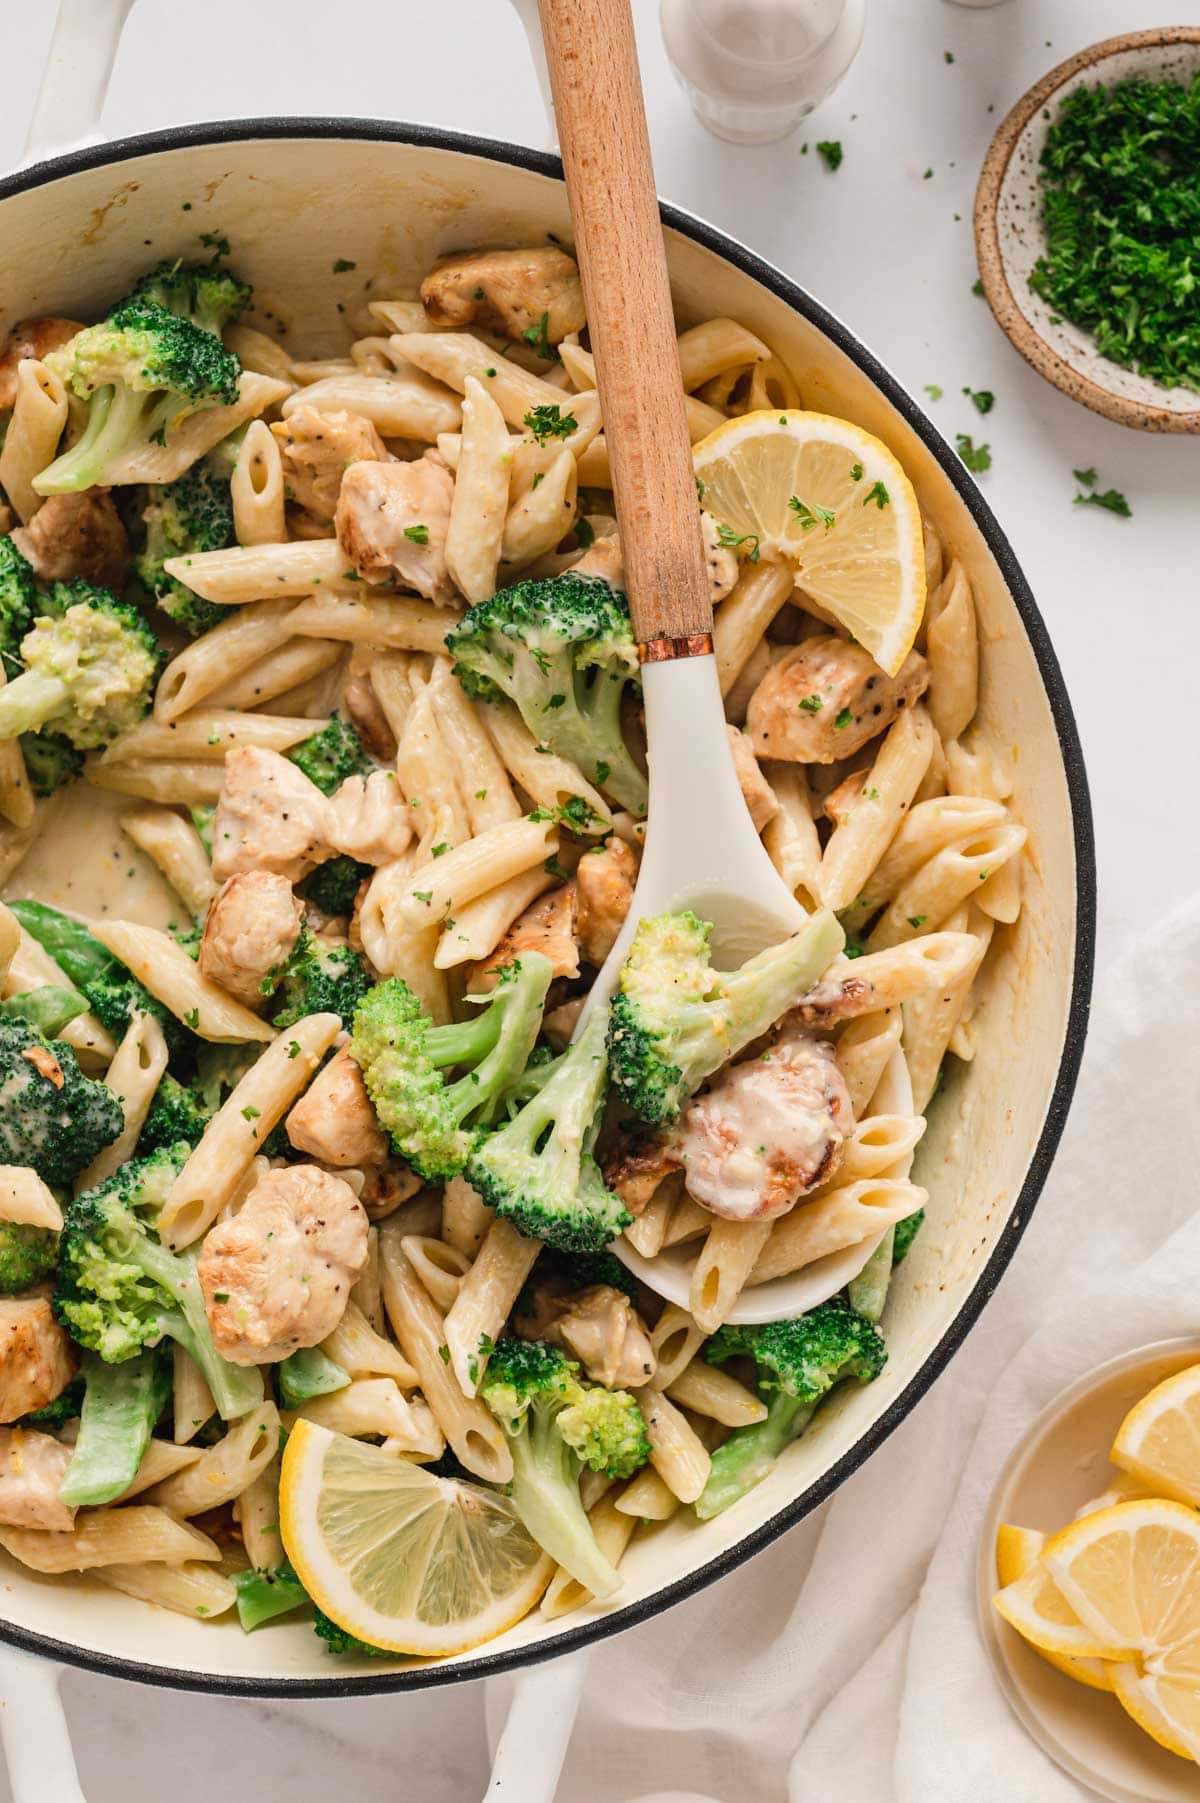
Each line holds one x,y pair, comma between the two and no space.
845,1661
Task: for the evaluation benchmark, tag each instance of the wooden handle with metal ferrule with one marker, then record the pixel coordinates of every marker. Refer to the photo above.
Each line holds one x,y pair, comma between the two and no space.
594,78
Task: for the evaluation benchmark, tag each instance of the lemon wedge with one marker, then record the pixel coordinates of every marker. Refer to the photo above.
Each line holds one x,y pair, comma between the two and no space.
1136,1695
400,1558
1017,1552
827,497
1033,1604
1158,1442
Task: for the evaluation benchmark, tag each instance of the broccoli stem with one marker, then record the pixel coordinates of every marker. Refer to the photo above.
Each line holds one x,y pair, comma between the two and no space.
868,1291
748,1455
48,1009
27,703
308,1373
236,1389
263,1595
117,415
545,1494
120,1407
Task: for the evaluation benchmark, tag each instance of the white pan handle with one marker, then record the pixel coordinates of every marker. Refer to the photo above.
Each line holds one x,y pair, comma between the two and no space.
534,1740
87,36
34,1731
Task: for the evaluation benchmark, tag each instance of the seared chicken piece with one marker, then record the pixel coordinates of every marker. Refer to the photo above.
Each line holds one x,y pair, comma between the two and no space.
386,1186
392,520
368,819
840,995
360,704
507,291
598,1326
635,1163
547,926
604,880
334,1121
825,698
77,537
269,817
30,338
276,1275
840,802
32,1466
604,558
250,930
767,1131
757,792
37,1360
318,448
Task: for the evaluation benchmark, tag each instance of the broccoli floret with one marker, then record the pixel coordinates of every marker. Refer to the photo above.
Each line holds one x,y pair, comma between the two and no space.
120,1289
177,1115
563,651
113,993
65,1407
798,1364
334,885
332,755
321,979
182,519
18,595
675,1020
51,761
142,372
337,1640
578,1271
27,1255
905,1233
91,662
434,1123
538,1170
209,297
52,1117
555,1425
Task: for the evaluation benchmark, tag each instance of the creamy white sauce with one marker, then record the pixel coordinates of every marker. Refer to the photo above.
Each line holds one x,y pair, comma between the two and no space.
82,863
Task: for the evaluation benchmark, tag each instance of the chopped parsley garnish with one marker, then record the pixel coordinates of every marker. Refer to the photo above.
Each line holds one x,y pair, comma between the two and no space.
879,494
419,535
343,266
1086,478
537,339
439,851
727,537
810,515
812,704
916,920
192,1019
293,1048
585,534
843,719
982,398
554,702
856,472
933,391
928,176
977,286
1120,210
854,946
1111,499
423,895
250,1113
444,1354
550,422
976,456
830,151
947,56
552,867
538,476
217,242
601,772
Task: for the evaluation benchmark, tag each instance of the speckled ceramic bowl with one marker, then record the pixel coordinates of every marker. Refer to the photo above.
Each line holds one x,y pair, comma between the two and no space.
1009,236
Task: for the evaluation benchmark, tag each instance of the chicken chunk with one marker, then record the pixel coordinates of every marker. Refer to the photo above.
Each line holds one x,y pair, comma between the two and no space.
276,1275
842,800
721,562
392,520
386,1186
508,291
250,930
841,994
318,448
77,538
547,926
30,338
604,882
368,818
598,1326
334,1121
361,706
37,1361
635,1163
269,817
825,698
767,1131
32,1466
757,793
604,558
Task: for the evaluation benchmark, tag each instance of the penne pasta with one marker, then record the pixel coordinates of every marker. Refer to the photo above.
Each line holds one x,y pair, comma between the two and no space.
722,1269
225,1469
174,845
676,1451
759,593
861,837
550,781
485,1298
256,489
133,1076
139,1534
434,890
404,403
209,735
707,1390
439,1267
161,964
477,513
843,1216
39,417
26,1201
357,1345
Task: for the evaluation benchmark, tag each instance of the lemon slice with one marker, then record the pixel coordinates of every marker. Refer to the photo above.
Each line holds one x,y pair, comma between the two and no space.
1017,1551
1132,1575
829,498
1159,1440
1137,1696
400,1558
1033,1604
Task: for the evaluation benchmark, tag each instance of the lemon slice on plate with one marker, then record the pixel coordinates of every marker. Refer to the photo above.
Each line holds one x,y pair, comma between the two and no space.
829,498
1137,1697
1132,1575
1159,1440
1017,1552
1032,1603
400,1558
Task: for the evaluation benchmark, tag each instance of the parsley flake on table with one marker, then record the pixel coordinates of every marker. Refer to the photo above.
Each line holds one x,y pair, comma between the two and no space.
831,152
977,286
933,391
1112,500
977,457
982,399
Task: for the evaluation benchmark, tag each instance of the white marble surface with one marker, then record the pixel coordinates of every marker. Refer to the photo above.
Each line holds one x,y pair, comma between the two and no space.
888,250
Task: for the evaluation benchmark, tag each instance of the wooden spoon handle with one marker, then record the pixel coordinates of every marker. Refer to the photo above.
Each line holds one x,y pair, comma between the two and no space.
594,78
